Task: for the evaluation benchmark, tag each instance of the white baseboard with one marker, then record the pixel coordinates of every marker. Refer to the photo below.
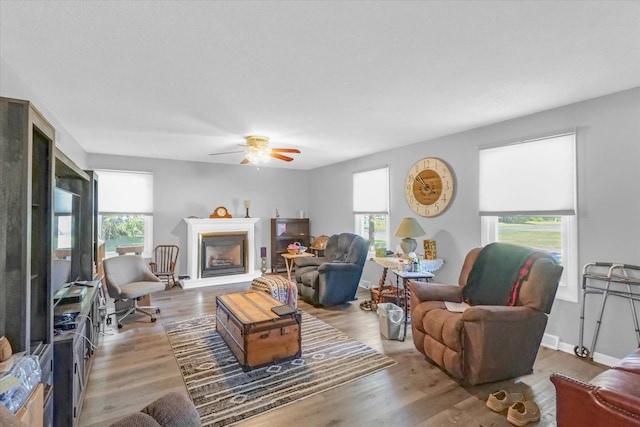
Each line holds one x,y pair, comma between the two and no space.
365,284
553,342
550,341
597,357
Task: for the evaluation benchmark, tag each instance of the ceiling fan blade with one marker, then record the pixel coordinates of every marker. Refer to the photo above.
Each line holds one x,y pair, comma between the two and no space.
244,161
227,152
285,150
281,157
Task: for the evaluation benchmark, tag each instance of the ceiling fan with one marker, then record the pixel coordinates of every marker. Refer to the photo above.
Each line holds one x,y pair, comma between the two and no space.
257,151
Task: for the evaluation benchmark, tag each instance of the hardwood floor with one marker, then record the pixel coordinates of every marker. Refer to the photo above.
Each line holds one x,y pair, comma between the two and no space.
135,365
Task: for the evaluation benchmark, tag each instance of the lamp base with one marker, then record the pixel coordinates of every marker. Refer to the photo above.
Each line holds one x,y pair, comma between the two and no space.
408,245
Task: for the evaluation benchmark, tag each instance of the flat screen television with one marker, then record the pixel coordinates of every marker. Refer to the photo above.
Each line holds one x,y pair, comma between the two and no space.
65,226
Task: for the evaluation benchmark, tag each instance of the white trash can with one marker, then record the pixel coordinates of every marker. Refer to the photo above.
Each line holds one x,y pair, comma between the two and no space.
391,320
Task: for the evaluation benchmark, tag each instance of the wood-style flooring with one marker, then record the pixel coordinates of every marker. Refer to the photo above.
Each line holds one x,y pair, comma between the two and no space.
135,365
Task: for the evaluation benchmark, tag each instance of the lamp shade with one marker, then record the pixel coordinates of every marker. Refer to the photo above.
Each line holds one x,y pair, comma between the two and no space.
409,227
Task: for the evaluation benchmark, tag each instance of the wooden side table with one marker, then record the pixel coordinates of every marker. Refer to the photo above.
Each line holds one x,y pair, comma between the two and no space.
288,260
383,292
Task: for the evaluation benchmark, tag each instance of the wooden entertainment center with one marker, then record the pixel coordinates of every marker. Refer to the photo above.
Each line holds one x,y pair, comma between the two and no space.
33,171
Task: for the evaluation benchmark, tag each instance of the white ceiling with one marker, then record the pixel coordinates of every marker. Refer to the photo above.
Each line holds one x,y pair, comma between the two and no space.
336,79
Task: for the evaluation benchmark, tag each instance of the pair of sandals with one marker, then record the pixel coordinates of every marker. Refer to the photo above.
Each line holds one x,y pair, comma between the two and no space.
368,305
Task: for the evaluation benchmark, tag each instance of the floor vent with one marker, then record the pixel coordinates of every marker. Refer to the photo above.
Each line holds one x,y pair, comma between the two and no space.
550,341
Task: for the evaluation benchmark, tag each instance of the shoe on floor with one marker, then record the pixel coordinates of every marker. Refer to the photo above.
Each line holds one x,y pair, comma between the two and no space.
366,305
501,400
523,412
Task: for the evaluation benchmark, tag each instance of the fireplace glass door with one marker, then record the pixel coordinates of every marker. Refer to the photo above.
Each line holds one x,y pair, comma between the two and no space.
223,254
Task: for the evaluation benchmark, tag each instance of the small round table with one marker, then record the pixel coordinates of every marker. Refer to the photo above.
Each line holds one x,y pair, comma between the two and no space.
288,260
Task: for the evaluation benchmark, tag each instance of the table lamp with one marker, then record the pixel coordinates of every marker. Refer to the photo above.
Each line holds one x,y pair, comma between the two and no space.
408,229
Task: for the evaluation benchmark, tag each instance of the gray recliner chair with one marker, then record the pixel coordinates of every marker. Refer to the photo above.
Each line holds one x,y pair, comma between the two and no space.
129,278
332,279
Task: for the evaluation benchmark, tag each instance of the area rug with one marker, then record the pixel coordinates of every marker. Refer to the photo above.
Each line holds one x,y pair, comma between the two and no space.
225,395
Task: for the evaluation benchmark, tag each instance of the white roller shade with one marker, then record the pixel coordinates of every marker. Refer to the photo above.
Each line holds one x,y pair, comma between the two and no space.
371,191
533,177
125,192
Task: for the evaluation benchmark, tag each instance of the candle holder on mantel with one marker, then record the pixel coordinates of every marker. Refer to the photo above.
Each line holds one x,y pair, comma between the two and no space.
263,255
247,203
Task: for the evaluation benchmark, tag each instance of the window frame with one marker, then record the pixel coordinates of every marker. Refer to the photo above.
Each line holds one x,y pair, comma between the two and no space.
359,230
568,288
143,207
360,213
569,281
147,252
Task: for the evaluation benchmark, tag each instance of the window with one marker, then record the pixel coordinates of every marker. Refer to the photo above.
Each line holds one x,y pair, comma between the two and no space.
527,196
371,207
125,209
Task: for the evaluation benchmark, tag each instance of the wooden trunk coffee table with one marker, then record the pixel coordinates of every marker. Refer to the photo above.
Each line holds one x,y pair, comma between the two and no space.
256,335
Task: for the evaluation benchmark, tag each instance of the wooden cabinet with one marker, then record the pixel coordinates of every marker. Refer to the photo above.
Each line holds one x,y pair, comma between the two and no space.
73,348
32,172
285,231
73,351
26,196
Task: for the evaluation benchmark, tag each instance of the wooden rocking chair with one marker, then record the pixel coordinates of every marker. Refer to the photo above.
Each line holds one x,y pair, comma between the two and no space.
164,263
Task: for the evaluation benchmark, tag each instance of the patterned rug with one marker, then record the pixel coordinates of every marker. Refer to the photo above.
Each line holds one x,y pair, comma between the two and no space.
225,395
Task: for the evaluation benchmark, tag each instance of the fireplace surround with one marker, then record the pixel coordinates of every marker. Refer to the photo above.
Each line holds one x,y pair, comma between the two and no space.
228,266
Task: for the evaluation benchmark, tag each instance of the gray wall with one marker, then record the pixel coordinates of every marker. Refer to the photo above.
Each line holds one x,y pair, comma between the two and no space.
608,149
12,86
182,189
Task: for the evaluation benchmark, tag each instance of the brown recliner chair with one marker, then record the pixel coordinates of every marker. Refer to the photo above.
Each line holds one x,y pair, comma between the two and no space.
491,340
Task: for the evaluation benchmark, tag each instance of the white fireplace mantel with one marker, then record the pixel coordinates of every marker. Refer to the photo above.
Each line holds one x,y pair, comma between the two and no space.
196,227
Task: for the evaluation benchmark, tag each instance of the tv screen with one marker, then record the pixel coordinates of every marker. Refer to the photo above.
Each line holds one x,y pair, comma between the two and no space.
66,205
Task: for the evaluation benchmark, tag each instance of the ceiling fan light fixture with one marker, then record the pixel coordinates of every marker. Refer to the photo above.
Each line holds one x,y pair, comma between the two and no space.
257,156
257,151
257,142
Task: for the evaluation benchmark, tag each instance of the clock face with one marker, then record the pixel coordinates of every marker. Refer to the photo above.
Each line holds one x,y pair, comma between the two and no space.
429,187
221,211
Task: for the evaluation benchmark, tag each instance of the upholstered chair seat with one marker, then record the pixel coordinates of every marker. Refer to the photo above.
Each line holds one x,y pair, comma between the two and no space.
511,291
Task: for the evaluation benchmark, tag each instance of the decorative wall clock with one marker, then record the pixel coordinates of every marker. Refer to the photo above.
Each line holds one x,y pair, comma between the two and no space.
220,212
429,187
